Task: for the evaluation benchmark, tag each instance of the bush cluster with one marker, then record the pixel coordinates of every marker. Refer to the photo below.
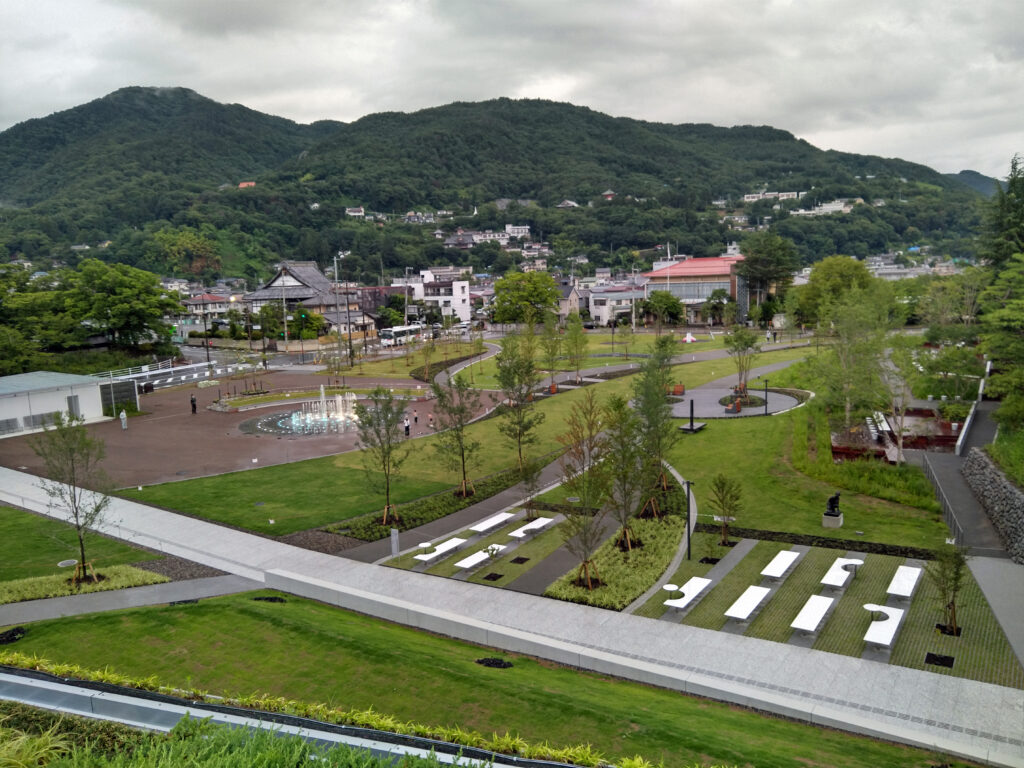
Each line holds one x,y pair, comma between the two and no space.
105,737
422,511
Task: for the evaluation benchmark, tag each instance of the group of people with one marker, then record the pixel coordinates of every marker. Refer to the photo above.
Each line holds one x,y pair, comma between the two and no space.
416,420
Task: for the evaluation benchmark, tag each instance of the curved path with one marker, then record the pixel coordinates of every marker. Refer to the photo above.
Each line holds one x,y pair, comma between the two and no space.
960,717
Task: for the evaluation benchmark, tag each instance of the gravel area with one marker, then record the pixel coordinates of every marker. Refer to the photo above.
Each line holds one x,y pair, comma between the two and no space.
320,541
179,569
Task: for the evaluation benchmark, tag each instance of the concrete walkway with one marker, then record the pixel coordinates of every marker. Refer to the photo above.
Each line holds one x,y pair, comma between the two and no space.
975,720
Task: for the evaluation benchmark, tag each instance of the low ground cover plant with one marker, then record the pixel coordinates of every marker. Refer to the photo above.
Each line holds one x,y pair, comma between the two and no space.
59,585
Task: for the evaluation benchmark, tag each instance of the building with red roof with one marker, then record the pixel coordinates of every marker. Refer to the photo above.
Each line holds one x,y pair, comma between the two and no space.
692,280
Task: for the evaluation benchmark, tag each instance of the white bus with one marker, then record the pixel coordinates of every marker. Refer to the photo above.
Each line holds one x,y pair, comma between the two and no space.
399,335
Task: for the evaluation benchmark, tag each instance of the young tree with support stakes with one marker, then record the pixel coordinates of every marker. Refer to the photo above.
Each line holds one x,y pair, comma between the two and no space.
664,306
576,343
726,503
456,403
622,464
657,434
76,485
741,344
551,345
947,572
380,426
517,378
581,475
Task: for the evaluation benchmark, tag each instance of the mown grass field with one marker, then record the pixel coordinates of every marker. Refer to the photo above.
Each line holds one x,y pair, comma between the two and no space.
311,652
31,545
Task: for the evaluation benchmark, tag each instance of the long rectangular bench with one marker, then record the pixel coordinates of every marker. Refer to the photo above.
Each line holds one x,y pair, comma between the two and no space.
479,557
777,568
747,603
881,632
491,522
904,581
839,572
690,590
812,613
535,525
440,549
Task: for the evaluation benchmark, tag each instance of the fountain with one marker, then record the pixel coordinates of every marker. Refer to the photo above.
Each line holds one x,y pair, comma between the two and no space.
315,417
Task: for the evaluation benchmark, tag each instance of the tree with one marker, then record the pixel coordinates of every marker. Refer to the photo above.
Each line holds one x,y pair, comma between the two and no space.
726,503
1003,341
518,293
381,438
576,343
1004,224
76,485
517,378
16,351
127,304
713,308
768,260
947,572
623,464
656,434
584,448
830,280
664,306
551,345
456,404
894,393
741,344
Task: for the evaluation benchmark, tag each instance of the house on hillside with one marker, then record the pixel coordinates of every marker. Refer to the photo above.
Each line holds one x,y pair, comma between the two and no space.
294,283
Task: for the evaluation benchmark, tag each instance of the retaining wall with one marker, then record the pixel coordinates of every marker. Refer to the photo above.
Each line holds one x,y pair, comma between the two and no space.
1002,501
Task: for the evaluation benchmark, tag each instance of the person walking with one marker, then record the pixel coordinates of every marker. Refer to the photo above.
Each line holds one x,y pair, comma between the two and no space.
415,416
193,401
124,419
406,426
430,420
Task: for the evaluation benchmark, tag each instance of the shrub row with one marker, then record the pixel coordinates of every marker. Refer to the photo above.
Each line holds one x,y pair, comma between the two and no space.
420,372
867,547
625,576
106,737
507,743
59,585
426,510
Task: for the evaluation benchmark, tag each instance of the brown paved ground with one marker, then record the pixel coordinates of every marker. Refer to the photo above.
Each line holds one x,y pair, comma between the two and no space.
169,443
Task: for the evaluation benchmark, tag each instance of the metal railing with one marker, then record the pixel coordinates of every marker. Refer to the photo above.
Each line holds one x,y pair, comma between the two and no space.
137,370
948,515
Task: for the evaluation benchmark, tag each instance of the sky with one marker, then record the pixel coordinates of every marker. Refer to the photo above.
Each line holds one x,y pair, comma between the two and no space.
938,82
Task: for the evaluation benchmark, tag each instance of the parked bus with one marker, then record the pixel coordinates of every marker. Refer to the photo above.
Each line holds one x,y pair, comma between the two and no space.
399,335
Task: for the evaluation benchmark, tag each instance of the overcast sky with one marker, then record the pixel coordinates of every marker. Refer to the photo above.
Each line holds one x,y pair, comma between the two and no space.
938,82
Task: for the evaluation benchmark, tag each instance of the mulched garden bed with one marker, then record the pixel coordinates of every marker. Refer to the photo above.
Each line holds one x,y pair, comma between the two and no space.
178,569
12,635
317,540
867,547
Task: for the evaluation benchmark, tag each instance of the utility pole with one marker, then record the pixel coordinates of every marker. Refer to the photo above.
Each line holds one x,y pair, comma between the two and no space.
406,321
284,318
206,332
348,316
337,309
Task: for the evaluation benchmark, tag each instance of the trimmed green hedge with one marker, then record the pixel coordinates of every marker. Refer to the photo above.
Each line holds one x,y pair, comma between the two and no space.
423,511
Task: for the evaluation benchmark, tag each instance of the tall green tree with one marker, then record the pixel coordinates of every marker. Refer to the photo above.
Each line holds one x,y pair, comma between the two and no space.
576,343
551,345
830,280
947,572
1004,236
381,440
456,403
519,294
517,377
1003,340
665,307
768,261
741,344
623,465
127,304
656,432
76,484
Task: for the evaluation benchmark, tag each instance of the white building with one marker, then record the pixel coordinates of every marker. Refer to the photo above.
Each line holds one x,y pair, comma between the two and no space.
517,230
450,297
28,401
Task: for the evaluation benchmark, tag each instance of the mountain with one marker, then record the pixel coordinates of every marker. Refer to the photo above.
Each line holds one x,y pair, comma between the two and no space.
174,133
156,172
986,185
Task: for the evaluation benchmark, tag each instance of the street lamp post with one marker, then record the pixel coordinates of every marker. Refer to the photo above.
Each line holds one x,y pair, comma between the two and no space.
406,322
337,308
206,332
689,531
766,397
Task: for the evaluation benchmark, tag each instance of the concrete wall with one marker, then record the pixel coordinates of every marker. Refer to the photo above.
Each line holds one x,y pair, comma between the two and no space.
1002,500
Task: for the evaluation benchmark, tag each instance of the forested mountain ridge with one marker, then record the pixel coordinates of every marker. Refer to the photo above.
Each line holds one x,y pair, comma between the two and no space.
155,171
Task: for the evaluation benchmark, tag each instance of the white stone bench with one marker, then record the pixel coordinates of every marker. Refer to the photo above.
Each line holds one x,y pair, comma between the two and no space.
442,548
904,581
777,568
491,522
479,557
747,603
882,631
690,590
534,525
812,613
839,572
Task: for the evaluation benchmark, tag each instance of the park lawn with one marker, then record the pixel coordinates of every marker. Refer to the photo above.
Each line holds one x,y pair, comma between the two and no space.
844,631
776,497
1008,453
311,652
773,621
304,494
32,545
535,550
399,367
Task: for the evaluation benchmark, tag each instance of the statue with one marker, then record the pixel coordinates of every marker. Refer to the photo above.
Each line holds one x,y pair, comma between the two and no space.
833,505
